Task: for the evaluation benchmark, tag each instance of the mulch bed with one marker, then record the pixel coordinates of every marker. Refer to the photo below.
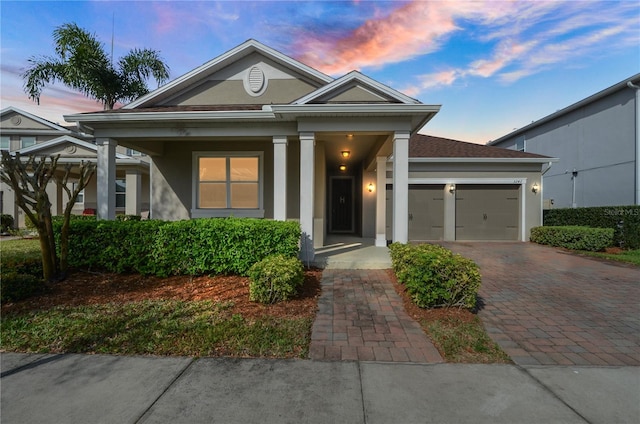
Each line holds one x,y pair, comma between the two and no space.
85,288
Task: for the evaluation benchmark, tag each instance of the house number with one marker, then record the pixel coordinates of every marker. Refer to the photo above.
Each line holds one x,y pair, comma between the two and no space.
342,200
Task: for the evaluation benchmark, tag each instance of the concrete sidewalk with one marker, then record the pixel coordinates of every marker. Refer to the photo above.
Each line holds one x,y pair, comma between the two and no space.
118,389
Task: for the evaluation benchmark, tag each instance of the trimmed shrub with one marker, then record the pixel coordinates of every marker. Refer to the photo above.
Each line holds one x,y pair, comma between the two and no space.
435,276
128,217
6,223
192,247
625,221
16,286
275,278
573,237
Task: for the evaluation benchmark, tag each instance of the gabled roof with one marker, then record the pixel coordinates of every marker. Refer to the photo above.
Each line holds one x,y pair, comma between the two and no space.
56,127
214,65
635,79
355,78
429,147
64,140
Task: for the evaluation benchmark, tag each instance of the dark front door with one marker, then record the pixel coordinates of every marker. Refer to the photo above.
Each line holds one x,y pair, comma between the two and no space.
342,205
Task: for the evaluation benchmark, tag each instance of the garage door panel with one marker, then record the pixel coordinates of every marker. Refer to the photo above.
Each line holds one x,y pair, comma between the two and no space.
487,212
426,212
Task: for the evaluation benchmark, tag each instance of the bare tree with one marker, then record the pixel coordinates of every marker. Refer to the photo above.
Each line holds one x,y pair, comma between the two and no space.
29,179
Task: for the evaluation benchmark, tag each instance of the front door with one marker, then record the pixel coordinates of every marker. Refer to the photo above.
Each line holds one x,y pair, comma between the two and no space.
342,205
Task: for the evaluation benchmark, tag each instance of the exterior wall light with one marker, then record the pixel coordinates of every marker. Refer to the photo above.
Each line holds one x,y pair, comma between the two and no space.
452,188
343,167
535,188
370,187
345,153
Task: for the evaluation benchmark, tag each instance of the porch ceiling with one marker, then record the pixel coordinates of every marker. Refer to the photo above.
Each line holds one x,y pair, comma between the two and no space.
362,147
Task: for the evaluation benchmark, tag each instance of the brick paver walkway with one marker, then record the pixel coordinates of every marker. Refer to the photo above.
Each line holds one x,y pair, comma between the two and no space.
361,317
551,307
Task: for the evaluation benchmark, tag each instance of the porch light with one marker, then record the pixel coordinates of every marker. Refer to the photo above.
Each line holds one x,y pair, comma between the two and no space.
452,188
343,167
370,187
345,153
535,188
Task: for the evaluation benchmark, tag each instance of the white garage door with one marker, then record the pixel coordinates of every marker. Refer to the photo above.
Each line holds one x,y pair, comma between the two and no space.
487,212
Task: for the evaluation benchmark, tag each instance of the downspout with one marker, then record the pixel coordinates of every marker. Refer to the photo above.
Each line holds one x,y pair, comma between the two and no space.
637,191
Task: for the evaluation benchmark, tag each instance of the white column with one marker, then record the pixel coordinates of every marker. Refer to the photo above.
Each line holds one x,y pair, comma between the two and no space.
401,186
133,193
307,174
106,178
280,178
381,201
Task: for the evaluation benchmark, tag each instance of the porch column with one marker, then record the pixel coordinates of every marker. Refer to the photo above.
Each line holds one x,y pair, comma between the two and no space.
307,174
106,178
133,187
381,201
279,177
401,187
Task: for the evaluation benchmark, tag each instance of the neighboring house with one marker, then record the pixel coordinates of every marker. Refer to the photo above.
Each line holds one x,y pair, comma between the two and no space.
255,133
31,135
598,143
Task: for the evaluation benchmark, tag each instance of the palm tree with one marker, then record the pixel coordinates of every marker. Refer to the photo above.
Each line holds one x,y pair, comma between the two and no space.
82,64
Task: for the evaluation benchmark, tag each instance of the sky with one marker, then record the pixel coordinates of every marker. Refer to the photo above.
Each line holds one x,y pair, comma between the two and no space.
494,66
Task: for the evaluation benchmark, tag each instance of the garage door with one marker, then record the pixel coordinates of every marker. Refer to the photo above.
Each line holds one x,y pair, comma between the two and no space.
487,212
426,212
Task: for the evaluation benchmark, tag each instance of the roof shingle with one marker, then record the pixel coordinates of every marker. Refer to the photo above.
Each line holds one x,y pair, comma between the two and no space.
426,146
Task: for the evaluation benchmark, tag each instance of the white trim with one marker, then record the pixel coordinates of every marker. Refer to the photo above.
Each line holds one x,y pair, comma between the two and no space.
482,160
197,212
34,118
360,78
212,66
65,139
173,116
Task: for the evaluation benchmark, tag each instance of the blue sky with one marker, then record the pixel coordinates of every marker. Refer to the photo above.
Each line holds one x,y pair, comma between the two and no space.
493,65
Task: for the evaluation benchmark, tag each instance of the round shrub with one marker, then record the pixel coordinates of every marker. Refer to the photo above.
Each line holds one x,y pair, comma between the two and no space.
14,286
275,278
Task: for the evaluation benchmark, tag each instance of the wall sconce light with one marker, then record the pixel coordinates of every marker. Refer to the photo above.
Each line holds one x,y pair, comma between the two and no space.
343,167
370,187
345,153
452,188
349,135
535,188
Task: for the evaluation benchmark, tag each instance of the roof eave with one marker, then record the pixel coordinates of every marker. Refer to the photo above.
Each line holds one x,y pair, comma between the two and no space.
481,160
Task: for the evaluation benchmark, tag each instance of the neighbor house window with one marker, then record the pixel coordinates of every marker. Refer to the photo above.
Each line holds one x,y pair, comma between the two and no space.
80,198
4,142
121,194
229,182
132,152
27,142
520,144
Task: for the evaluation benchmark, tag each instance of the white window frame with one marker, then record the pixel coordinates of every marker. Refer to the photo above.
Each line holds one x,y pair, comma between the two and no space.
8,140
80,198
522,148
197,212
122,194
35,141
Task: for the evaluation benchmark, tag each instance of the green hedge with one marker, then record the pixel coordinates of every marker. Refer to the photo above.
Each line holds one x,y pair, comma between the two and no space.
6,223
625,221
20,273
191,247
275,278
573,237
435,276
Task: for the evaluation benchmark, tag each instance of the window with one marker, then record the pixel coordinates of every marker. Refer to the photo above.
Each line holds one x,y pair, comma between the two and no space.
27,142
520,144
80,198
121,194
131,152
228,184
4,142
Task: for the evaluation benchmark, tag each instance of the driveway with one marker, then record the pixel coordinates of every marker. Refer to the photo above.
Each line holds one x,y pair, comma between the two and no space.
546,306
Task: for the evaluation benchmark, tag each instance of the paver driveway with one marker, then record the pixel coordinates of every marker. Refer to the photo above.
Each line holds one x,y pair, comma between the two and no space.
548,306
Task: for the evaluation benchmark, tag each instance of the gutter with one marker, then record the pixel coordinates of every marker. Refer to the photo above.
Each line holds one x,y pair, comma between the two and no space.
637,188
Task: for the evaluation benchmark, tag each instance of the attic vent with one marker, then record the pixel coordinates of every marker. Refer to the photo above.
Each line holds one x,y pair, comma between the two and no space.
256,79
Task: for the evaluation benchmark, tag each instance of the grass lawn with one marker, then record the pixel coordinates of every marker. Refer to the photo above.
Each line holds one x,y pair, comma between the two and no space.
628,256
20,249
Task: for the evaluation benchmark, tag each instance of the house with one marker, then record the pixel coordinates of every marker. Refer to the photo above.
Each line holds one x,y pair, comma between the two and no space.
255,133
597,141
31,135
